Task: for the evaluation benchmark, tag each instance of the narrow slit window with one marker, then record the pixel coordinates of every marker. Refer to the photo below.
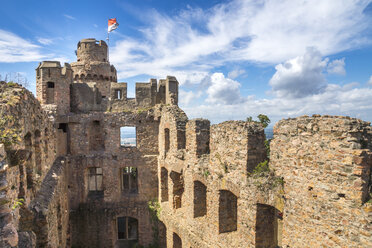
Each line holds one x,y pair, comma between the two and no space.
128,137
95,179
166,140
129,177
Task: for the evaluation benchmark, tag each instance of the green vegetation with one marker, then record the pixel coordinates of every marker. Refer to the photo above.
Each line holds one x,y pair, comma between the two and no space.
11,84
18,203
154,209
261,168
8,136
206,173
263,119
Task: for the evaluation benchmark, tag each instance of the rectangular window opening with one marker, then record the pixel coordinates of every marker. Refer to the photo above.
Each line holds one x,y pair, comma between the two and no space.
63,126
118,94
95,179
128,137
129,177
127,229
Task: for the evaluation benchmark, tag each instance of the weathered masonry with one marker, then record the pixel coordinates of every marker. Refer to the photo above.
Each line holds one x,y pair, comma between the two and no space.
80,164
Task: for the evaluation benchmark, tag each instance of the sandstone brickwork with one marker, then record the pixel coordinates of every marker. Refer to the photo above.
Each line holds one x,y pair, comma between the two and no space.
83,165
326,165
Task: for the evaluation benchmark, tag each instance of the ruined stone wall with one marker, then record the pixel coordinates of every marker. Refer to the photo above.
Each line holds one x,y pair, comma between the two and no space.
53,86
208,198
29,150
147,95
94,213
326,164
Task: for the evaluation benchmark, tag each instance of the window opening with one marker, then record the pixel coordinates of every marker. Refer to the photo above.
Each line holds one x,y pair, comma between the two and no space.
178,189
95,179
166,140
177,242
164,184
200,199
50,93
37,149
181,139
127,228
63,126
128,137
268,226
227,212
96,139
118,94
129,177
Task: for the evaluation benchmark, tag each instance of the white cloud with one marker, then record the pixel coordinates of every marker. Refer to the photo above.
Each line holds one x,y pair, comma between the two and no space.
45,41
370,81
69,17
235,73
300,76
337,66
241,30
334,100
16,49
223,90
187,97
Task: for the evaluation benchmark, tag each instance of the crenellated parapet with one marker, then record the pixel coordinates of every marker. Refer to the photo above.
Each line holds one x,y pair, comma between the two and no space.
93,66
147,94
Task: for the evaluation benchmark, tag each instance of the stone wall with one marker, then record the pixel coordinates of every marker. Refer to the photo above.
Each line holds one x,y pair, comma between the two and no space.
27,154
208,198
95,213
53,86
326,164
69,178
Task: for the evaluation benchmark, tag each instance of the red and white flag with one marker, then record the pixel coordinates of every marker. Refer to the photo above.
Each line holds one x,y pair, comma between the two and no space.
112,24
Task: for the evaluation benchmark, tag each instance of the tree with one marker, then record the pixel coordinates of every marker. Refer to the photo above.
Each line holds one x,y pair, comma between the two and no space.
264,120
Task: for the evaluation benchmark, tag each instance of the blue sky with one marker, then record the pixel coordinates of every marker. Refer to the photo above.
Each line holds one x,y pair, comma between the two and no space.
233,59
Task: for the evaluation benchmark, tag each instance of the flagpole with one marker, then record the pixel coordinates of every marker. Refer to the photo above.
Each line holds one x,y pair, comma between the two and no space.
108,46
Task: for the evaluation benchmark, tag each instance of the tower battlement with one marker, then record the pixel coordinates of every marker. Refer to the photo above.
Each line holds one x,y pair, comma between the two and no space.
90,50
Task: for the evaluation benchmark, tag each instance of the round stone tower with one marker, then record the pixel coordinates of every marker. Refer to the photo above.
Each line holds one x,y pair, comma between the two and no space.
92,65
91,50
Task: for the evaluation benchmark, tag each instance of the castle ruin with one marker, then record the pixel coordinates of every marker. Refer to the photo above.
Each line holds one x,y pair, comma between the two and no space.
83,165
